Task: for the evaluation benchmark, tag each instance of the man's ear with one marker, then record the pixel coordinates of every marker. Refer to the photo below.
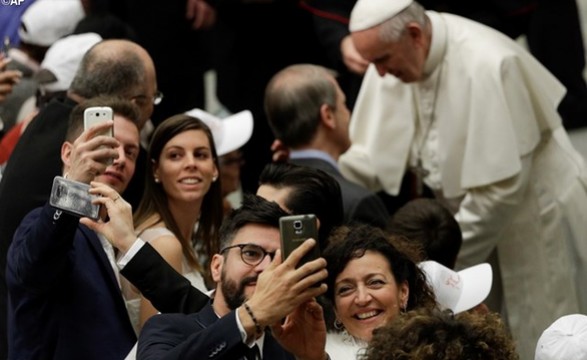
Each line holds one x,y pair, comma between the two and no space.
66,150
216,267
416,33
327,116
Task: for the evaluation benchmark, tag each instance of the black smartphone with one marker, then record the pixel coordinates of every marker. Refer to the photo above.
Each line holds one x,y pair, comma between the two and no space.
73,197
294,230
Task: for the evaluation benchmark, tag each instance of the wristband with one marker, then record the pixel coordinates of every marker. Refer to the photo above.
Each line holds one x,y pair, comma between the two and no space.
258,329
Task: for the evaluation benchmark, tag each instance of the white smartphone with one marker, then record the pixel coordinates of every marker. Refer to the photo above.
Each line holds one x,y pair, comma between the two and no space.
98,114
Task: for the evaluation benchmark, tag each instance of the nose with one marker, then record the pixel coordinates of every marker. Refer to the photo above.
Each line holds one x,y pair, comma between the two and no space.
260,267
363,296
190,161
121,160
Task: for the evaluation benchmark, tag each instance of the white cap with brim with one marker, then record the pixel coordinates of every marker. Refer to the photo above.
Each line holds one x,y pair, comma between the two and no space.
565,339
62,61
369,13
46,21
229,133
458,291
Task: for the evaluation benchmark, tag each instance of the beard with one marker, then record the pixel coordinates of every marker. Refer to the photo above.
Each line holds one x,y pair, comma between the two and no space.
233,292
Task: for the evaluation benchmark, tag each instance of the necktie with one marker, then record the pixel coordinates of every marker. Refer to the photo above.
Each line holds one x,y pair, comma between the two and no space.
252,353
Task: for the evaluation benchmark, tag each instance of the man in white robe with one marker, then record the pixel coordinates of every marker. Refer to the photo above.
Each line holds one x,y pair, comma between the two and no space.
476,115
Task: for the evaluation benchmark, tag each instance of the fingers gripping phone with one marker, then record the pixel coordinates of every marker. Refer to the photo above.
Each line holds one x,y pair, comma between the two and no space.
73,198
294,230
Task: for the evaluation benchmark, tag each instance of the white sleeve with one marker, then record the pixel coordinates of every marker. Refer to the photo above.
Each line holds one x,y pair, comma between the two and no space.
134,249
486,211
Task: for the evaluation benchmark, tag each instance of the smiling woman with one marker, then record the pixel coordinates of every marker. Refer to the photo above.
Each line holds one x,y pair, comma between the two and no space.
181,180
371,278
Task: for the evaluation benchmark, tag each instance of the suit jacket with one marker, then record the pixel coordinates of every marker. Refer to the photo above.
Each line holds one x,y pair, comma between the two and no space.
199,336
64,299
360,204
26,183
168,290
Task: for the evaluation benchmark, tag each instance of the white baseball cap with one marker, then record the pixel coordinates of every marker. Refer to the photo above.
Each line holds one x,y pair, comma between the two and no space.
229,133
46,21
565,339
369,13
63,59
458,291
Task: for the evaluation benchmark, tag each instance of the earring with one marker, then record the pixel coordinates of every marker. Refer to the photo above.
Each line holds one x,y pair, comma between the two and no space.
157,180
338,324
214,178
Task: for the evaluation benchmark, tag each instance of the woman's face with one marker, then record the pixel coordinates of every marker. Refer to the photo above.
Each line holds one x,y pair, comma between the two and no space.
185,167
366,295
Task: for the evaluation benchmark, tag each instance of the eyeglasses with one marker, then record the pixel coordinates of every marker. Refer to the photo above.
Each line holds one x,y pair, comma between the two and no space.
251,254
157,98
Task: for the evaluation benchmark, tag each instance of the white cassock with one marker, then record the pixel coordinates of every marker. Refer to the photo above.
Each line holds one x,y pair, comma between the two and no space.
485,126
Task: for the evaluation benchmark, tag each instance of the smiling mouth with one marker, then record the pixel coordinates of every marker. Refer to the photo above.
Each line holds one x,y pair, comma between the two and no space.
190,181
367,315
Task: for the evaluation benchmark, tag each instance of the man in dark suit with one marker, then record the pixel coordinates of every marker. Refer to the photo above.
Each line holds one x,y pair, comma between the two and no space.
307,112
65,300
112,67
255,290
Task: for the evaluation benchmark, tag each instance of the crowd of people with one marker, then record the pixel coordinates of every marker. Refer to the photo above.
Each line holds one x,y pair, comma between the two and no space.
431,147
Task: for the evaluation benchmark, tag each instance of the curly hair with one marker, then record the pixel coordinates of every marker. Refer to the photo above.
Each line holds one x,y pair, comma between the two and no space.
351,242
431,334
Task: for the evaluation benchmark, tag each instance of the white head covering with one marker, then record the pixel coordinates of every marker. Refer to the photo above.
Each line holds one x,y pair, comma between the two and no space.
458,291
369,13
229,133
63,59
565,339
46,21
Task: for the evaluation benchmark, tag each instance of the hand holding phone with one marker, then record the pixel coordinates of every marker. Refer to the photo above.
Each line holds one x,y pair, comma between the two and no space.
294,230
74,198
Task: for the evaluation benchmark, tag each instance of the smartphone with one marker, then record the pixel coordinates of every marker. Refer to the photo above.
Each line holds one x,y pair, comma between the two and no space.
5,46
98,114
74,198
294,230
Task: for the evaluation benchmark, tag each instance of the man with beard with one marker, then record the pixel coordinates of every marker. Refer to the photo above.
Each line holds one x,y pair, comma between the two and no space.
255,290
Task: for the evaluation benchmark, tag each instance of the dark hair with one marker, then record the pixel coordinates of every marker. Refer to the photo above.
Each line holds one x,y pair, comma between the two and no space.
431,334
352,242
430,224
293,99
313,192
120,107
119,72
253,210
154,199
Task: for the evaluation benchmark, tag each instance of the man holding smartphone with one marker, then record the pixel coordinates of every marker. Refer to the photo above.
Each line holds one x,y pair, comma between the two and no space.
64,293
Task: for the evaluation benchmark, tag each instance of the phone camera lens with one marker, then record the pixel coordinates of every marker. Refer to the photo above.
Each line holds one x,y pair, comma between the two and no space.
297,225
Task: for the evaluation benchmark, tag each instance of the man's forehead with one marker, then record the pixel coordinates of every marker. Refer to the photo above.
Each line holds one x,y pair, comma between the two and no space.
262,235
130,131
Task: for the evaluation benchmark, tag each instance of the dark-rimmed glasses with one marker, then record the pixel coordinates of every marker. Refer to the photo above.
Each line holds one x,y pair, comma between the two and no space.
251,254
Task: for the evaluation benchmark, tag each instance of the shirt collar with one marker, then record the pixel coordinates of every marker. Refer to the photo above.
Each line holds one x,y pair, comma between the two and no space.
437,43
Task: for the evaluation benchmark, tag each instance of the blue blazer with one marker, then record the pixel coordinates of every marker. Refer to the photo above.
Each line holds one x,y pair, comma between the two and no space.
64,300
199,336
